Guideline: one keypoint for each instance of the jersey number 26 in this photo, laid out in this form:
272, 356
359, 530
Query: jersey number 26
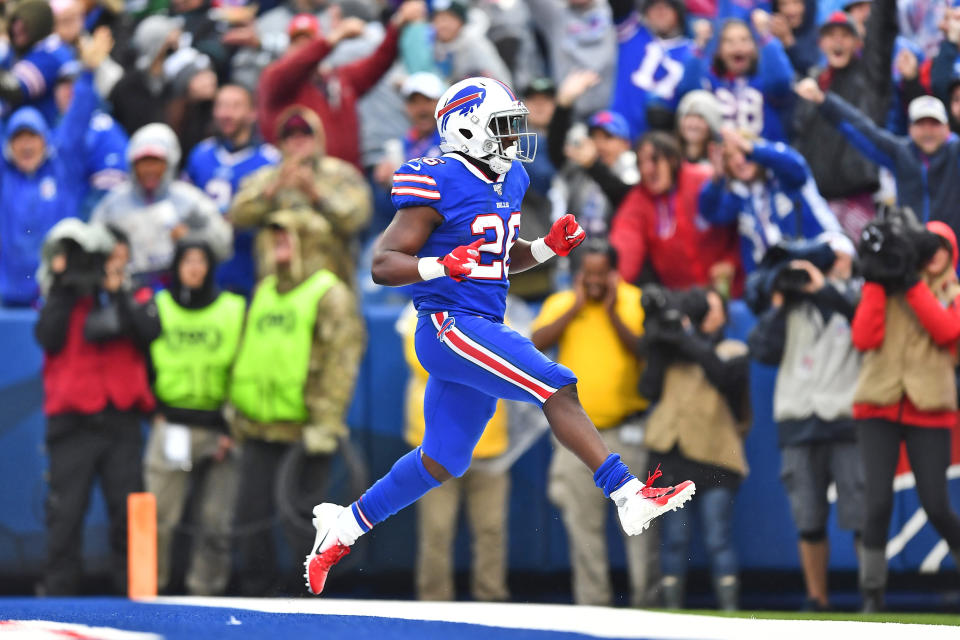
500, 247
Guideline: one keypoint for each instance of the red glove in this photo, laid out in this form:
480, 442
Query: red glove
462, 260
565, 235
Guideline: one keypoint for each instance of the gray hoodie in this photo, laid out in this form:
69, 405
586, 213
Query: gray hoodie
148, 219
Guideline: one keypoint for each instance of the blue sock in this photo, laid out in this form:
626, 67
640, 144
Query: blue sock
403, 485
612, 474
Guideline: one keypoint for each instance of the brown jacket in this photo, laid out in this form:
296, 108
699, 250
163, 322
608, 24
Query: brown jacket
908, 362
693, 415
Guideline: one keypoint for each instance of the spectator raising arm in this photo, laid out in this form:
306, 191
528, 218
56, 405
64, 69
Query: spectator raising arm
875, 142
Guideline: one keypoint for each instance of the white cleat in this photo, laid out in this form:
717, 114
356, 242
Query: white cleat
327, 549
639, 504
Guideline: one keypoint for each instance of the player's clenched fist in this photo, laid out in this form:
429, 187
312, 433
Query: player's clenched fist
462, 260
565, 235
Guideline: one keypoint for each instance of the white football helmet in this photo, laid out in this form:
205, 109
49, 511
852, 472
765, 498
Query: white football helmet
481, 118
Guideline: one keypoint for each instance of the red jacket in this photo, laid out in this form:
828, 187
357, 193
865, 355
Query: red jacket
293, 79
84, 377
943, 325
668, 230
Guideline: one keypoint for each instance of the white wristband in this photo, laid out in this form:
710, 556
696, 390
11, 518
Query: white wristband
430, 268
541, 252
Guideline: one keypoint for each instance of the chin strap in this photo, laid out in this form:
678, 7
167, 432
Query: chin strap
498, 165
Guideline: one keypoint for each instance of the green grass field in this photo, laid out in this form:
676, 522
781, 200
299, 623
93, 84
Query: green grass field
903, 618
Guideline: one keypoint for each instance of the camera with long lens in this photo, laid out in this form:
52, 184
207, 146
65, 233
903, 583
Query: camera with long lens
791, 282
775, 274
662, 310
894, 247
85, 269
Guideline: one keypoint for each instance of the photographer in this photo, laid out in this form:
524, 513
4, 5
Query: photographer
806, 332
907, 325
94, 335
688, 358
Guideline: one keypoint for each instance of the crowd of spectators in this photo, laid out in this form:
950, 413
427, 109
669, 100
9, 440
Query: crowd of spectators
176, 168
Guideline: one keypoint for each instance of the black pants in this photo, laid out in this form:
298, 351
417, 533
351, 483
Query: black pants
929, 453
107, 446
256, 512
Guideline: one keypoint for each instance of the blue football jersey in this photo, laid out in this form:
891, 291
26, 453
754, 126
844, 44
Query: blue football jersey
218, 171
757, 103
106, 147
38, 71
648, 72
472, 207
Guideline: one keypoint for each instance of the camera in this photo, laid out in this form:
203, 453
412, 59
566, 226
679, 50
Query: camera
894, 247
791, 281
661, 310
85, 269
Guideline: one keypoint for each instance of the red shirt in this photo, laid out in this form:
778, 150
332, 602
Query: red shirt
293, 79
667, 229
85, 377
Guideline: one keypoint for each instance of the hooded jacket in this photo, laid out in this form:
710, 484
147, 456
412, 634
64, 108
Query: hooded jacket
910, 346
196, 299
34, 203
149, 218
37, 65
338, 345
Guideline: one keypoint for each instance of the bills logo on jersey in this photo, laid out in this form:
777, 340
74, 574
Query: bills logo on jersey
498, 187
463, 102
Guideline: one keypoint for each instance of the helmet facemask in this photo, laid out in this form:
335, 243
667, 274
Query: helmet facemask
509, 138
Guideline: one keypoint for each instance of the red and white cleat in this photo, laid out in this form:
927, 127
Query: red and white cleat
638, 504
327, 548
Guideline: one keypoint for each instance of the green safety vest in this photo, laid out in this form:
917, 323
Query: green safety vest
193, 355
270, 374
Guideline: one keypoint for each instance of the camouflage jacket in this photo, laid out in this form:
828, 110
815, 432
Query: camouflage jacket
343, 210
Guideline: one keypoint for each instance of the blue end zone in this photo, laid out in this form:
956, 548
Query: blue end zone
181, 622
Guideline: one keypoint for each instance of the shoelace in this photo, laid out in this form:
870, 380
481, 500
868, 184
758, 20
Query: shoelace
654, 492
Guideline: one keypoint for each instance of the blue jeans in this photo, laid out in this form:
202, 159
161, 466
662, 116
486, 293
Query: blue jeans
715, 507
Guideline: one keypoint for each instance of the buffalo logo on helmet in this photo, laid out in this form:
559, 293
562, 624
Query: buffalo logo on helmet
463, 103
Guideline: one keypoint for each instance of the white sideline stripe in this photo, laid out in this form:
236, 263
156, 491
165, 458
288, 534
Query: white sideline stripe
910, 528
931, 564
601, 622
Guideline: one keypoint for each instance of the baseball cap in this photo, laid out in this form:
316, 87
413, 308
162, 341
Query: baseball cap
839, 19
150, 151
423, 83
303, 23
611, 122
541, 86
927, 107
458, 8
852, 3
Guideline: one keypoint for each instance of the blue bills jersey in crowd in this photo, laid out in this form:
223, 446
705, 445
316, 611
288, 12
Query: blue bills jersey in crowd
37, 73
756, 103
105, 147
219, 171
472, 207
649, 72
